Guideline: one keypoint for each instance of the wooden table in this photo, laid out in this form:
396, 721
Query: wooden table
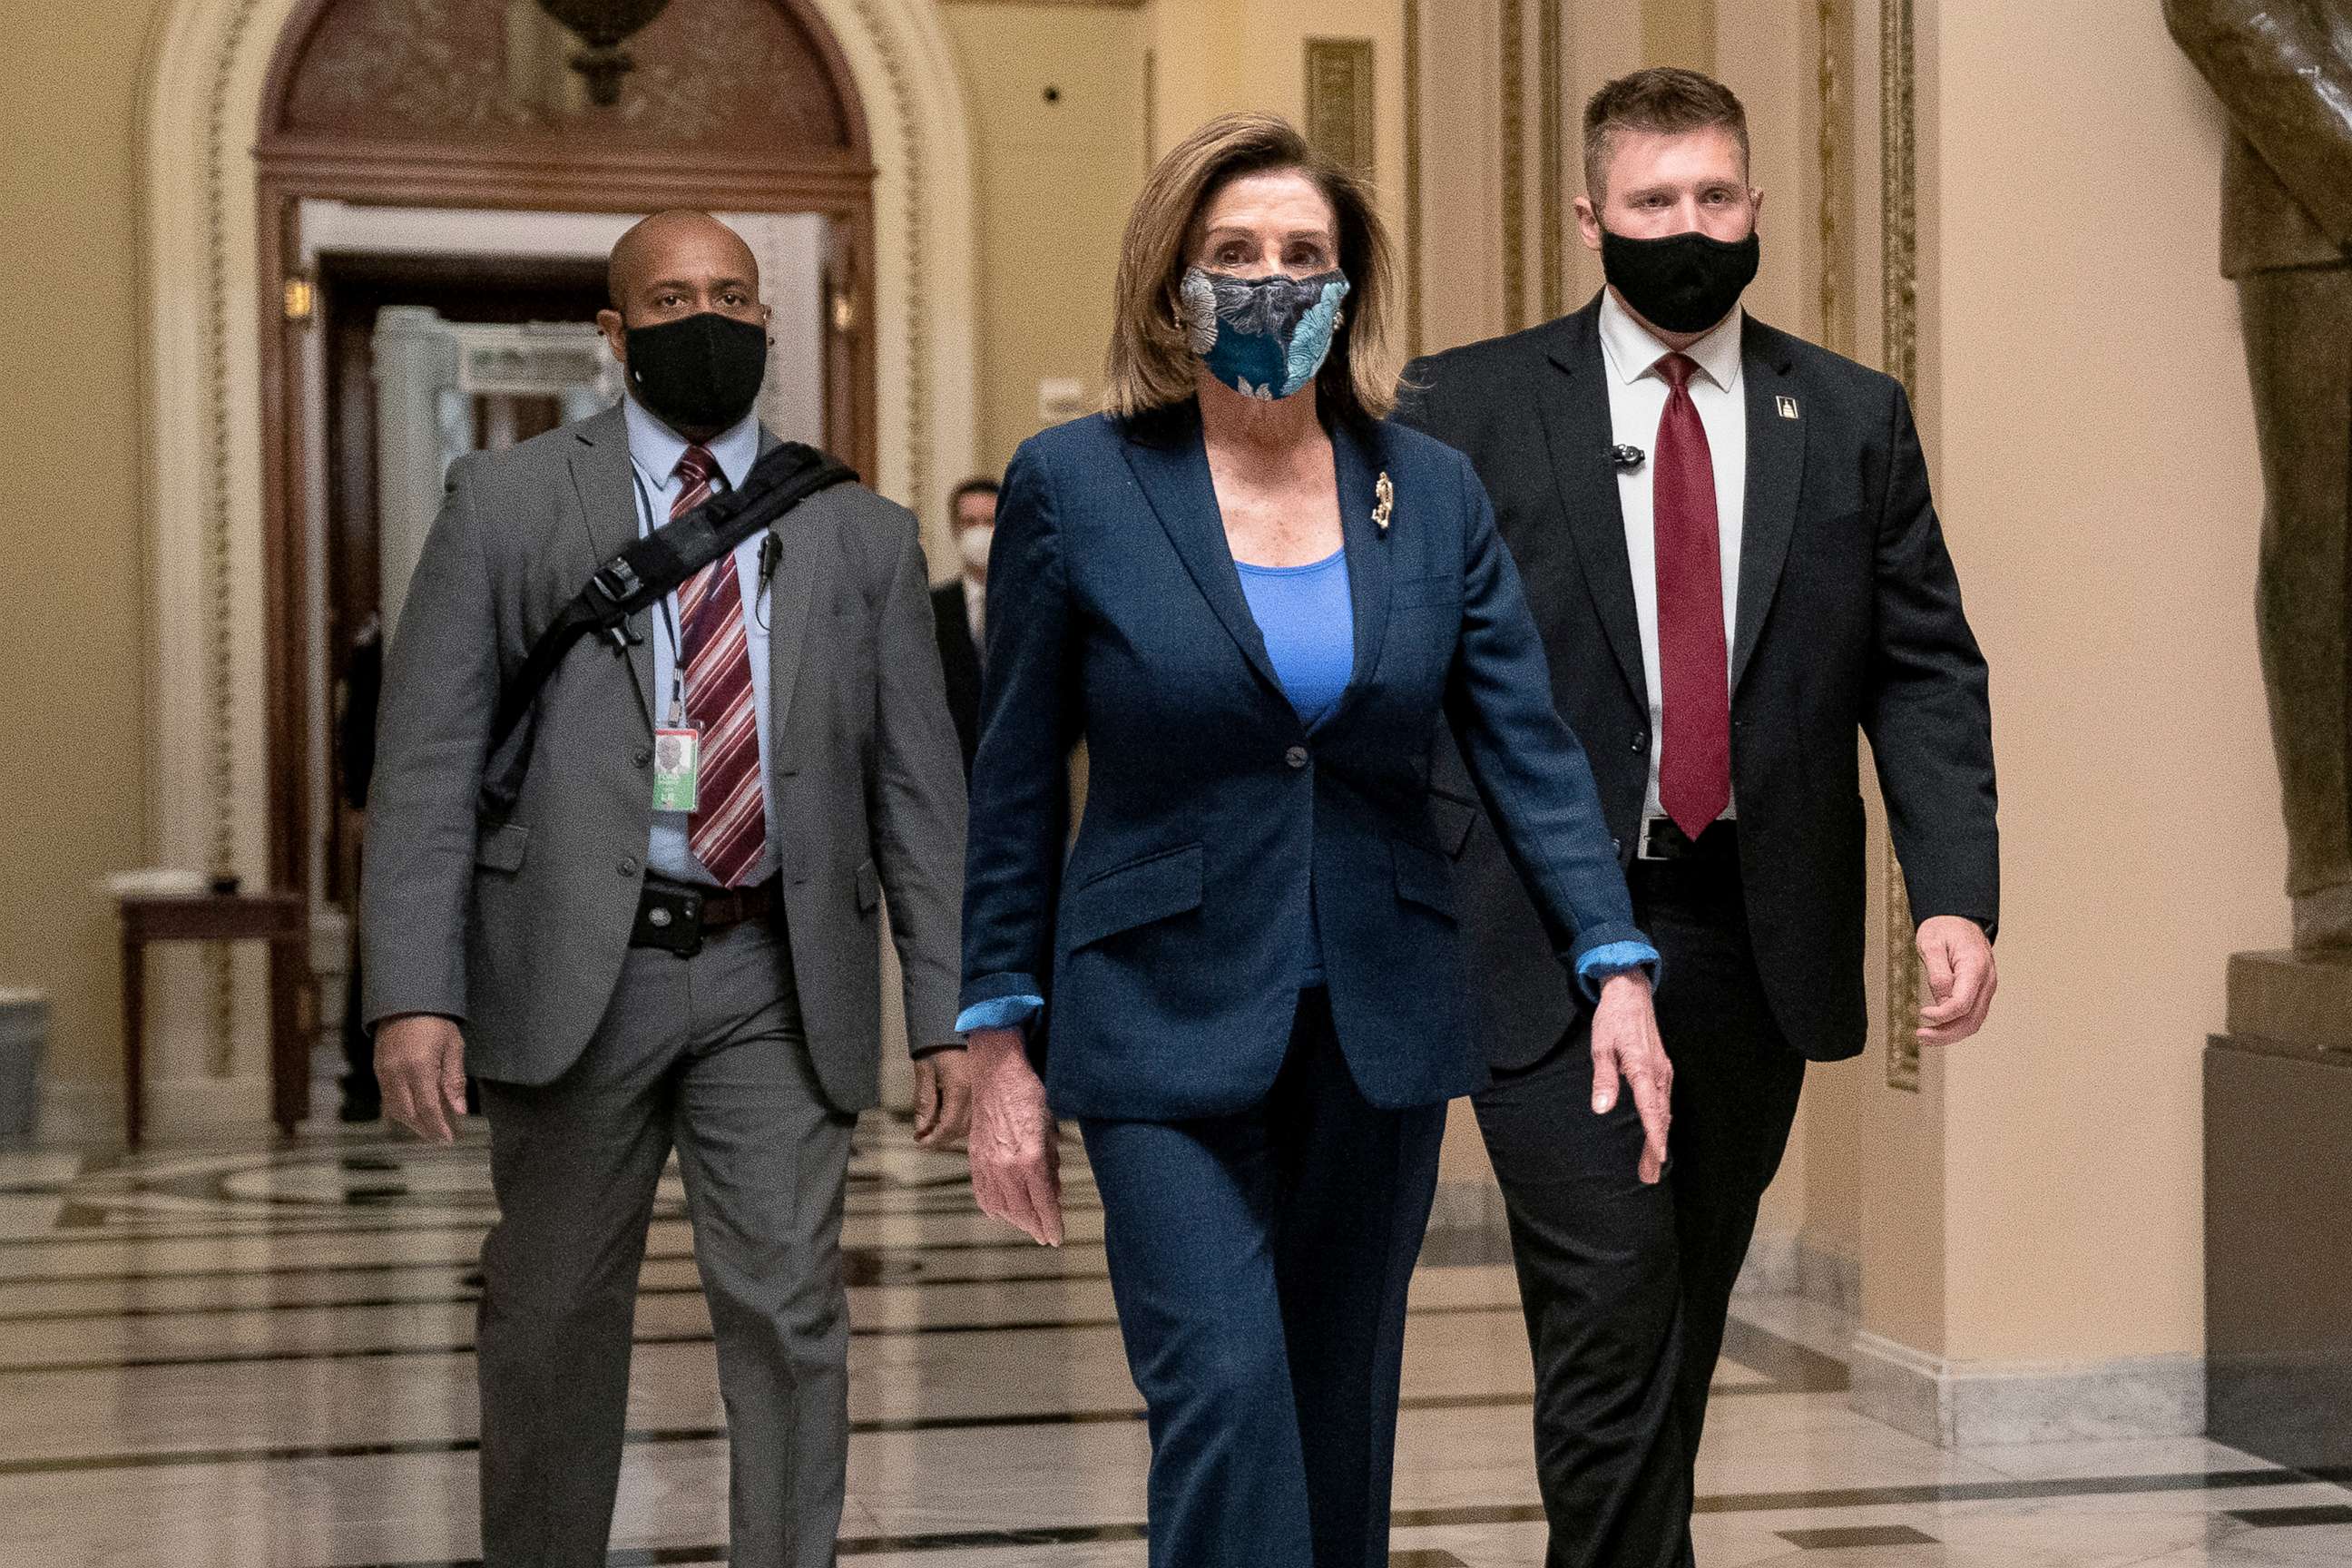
281, 919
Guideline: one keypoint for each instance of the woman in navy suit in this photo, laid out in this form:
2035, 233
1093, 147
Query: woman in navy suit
1257, 602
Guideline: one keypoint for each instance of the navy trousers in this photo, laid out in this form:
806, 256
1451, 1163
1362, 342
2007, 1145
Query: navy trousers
1260, 1264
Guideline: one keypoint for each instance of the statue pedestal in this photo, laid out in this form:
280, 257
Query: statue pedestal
2278, 1212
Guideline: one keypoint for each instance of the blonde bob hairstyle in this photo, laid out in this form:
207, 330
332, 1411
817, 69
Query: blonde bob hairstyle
1151, 364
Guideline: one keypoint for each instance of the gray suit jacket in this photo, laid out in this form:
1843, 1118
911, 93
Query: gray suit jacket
519, 932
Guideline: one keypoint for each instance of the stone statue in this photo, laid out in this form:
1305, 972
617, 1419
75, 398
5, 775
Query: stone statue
2282, 70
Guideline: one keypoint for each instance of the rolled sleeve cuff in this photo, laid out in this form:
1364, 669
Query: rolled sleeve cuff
1613, 952
998, 1013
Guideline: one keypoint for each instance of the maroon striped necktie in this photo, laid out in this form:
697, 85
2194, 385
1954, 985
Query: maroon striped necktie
729, 829
1694, 667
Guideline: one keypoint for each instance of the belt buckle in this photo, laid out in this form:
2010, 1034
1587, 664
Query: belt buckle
1645, 847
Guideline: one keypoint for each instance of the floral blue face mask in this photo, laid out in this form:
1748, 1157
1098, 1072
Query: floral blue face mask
1264, 337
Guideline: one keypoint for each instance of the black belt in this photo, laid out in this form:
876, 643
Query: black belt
678, 917
1663, 843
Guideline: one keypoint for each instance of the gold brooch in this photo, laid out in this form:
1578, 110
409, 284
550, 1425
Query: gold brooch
1383, 504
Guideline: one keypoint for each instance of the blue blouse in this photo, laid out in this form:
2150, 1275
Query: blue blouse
1309, 625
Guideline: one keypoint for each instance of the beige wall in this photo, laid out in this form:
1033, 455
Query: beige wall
1055, 181
2099, 476
71, 628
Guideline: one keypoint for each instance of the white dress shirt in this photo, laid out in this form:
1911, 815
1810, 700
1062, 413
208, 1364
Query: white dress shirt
1637, 401
654, 451
975, 609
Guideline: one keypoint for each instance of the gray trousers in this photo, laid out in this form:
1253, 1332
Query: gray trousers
706, 1054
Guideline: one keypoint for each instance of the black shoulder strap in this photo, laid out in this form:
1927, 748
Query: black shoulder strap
647, 571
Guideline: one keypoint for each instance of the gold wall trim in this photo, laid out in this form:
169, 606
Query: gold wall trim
1412, 309
1551, 159
911, 261
1341, 97
1513, 95
219, 545
1834, 29
1900, 280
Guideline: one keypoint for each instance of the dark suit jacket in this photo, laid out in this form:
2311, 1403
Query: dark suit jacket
959, 662
1170, 949
518, 930
1849, 619
2283, 68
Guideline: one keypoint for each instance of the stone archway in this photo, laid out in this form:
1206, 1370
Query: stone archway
224, 576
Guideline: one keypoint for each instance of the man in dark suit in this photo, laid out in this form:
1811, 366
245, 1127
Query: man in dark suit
1728, 540
960, 608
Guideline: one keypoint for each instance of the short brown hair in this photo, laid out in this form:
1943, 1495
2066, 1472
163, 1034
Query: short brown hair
1665, 100
1150, 363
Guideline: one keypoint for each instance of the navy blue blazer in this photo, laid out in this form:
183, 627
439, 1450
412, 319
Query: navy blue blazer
1167, 946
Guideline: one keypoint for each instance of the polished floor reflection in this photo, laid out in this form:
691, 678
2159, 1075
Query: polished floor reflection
246, 1356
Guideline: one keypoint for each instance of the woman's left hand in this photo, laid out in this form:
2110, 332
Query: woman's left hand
1625, 1046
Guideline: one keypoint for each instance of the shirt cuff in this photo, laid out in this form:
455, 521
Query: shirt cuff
1001, 1013
1611, 959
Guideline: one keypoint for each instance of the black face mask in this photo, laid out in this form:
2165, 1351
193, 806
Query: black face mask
1683, 283
699, 372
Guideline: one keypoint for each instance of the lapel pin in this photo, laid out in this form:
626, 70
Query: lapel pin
1383, 504
1787, 407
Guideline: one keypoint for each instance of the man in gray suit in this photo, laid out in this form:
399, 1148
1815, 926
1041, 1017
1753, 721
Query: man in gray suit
671, 941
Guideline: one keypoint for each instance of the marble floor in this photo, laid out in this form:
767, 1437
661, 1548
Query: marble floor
235, 1357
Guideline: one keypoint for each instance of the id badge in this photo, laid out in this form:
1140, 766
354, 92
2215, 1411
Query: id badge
678, 761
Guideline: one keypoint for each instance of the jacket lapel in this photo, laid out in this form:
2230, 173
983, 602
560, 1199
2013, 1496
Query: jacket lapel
792, 594
1776, 472
1575, 405
1358, 463
608, 511
1172, 466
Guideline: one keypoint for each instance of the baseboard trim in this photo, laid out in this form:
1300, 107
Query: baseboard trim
82, 1114
1798, 1263
1469, 1206
1969, 1405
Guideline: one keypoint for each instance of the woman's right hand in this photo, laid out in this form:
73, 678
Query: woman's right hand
1016, 1153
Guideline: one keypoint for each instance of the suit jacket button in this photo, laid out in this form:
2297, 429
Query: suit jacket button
641, 756
629, 866
1640, 742
1296, 756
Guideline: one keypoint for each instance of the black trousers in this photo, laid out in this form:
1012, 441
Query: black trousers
1626, 1287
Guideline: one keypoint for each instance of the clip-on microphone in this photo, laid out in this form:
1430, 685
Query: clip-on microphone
1627, 459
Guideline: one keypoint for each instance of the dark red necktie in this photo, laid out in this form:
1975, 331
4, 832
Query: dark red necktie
729, 829
1694, 667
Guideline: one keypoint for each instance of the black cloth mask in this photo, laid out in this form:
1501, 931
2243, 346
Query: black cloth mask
699, 372
1683, 283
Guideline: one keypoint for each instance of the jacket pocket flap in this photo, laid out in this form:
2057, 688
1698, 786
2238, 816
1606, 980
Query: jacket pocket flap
1135, 894
869, 886
500, 848
1424, 878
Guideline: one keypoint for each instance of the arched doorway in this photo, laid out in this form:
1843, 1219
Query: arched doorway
847, 109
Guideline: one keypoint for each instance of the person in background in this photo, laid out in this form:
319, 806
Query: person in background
355, 761
961, 608
1258, 601
1731, 554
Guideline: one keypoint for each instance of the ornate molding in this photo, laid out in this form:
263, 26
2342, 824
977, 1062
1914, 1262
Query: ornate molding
1899, 357
1341, 98
1551, 160
1413, 281
1833, 35
1512, 95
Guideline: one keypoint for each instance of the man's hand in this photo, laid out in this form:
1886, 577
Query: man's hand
1016, 1153
942, 1097
1960, 977
1625, 1046
420, 1061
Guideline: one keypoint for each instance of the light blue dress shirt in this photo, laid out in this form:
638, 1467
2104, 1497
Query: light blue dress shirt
654, 451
